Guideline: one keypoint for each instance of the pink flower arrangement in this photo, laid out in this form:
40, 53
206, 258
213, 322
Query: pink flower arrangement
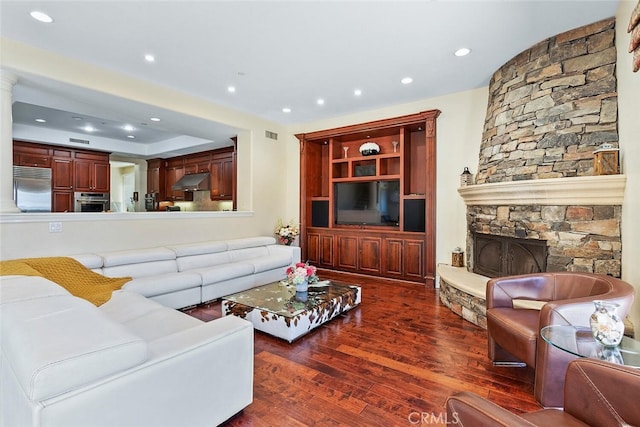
300, 272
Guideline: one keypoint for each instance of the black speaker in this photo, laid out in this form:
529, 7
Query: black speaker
319, 213
414, 215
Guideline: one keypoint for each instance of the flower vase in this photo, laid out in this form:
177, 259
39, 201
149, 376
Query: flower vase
302, 296
607, 327
302, 286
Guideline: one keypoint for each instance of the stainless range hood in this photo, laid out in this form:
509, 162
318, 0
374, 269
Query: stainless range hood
192, 182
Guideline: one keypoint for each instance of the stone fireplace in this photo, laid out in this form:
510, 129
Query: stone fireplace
578, 219
549, 109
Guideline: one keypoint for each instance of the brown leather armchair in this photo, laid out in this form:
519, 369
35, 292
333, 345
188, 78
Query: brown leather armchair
596, 393
513, 333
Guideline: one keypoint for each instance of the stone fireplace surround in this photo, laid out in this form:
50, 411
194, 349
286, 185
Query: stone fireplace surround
549, 108
579, 217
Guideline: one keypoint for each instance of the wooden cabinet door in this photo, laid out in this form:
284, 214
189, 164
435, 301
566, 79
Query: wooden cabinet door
369, 254
62, 201
156, 177
313, 248
222, 176
414, 259
326, 250
82, 169
100, 177
32, 155
392, 259
347, 252
62, 174
173, 174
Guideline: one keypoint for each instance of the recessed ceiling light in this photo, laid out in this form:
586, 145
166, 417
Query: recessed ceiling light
89, 128
128, 128
357, 92
76, 118
406, 80
149, 58
41, 16
41, 121
462, 52
231, 89
286, 110
320, 101
154, 119
131, 136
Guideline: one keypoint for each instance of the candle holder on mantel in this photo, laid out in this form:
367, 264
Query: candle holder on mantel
466, 178
605, 160
457, 258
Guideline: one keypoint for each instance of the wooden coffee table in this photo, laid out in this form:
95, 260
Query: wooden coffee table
278, 310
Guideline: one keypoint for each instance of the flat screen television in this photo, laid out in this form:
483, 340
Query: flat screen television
367, 203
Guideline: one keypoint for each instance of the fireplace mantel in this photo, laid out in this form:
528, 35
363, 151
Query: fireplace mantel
583, 190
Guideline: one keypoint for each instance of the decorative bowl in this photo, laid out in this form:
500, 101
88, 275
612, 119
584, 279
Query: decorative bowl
369, 149
369, 152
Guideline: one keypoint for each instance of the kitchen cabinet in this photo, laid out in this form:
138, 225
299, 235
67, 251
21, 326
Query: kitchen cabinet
162, 174
71, 170
36, 156
173, 172
197, 164
156, 178
92, 172
222, 176
62, 181
62, 201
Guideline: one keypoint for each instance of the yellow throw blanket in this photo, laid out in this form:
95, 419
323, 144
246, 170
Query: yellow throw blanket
68, 273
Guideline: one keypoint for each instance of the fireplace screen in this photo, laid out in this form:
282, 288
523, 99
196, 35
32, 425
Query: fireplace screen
496, 256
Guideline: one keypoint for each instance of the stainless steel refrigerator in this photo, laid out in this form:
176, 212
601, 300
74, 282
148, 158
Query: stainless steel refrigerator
32, 188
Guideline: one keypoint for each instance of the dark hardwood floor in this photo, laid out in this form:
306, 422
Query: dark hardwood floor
388, 362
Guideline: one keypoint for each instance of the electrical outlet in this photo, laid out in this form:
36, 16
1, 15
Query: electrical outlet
55, 227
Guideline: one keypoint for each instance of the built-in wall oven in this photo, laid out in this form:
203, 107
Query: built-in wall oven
91, 202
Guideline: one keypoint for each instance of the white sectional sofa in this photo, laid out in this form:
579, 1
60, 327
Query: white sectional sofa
129, 362
183, 275
134, 360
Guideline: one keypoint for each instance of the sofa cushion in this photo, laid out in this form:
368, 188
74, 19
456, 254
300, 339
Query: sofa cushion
151, 268
250, 242
224, 272
271, 262
248, 253
60, 343
199, 248
20, 288
146, 318
150, 286
202, 261
136, 256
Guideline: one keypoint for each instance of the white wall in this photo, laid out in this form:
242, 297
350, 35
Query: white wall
629, 132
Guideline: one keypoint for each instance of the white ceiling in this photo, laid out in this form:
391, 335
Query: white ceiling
276, 54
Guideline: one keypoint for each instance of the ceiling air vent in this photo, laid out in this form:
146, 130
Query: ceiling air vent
79, 141
270, 135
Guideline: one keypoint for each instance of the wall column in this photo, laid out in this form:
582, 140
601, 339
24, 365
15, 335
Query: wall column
7, 81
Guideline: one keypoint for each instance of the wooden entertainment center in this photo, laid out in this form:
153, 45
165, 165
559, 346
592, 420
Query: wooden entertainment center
371, 214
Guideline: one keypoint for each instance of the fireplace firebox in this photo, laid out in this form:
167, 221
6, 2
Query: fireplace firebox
497, 256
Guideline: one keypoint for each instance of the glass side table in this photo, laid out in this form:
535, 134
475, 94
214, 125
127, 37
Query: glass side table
579, 341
